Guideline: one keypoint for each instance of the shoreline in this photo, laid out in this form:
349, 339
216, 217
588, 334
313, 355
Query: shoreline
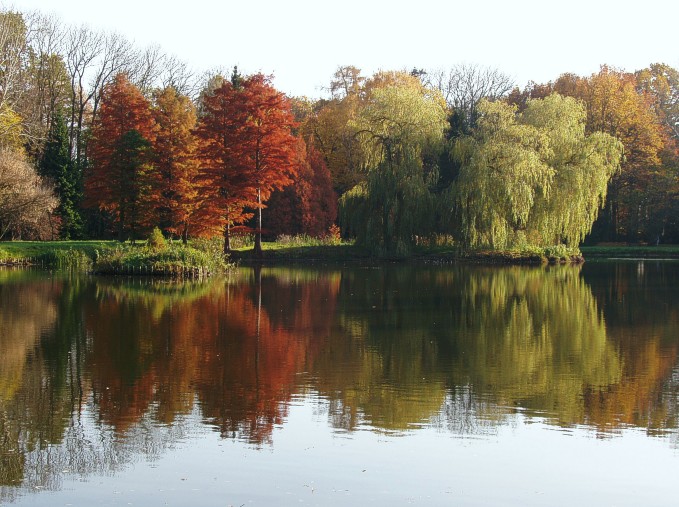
50, 254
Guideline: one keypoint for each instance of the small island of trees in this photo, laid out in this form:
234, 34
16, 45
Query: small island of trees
101, 140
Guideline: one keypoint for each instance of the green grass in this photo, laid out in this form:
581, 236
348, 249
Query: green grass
175, 260
303, 249
53, 253
274, 251
112, 257
205, 255
650, 251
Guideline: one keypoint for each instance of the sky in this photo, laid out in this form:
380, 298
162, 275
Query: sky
302, 42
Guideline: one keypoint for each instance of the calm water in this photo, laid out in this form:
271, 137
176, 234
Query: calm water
334, 386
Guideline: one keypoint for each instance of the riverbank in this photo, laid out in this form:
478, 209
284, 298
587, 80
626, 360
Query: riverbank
112, 257
635, 251
347, 252
203, 257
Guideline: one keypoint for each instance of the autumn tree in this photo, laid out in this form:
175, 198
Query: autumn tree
26, 200
176, 194
120, 180
329, 126
265, 141
222, 179
395, 204
310, 205
248, 148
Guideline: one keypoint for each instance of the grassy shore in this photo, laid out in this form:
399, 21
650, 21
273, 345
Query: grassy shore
111, 257
323, 252
635, 251
53, 254
204, 257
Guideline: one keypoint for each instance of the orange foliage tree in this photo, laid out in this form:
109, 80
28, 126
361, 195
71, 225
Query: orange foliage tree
120, 179
177, 197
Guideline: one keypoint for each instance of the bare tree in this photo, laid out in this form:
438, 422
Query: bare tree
83, 47
25, 199
118, 55
93, 59
47, 82
147, 68
465, 85
178, 75
13, 54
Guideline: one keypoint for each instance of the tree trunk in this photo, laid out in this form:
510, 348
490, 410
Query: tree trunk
227, 238
258, 236
185, 234
121, 228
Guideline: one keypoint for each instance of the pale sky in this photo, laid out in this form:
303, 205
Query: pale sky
302, 42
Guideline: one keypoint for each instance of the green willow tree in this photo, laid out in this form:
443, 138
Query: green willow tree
398, 124
532, 179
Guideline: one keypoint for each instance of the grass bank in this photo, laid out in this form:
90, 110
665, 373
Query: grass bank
53, 254
111, 257
287, 251
635, 251
175, 261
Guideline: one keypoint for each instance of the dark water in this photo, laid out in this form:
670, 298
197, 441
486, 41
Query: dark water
334, 386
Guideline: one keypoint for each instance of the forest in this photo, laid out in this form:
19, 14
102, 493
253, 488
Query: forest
102, 139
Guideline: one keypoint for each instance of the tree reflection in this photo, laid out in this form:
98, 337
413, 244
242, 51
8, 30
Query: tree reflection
103, 371
255, 345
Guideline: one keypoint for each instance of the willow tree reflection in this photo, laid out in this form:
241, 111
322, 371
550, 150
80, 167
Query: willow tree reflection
532, 338
522, 337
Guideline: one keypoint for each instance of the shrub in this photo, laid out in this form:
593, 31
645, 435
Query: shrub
156, 241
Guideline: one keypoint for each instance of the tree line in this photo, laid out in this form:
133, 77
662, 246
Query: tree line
123, 140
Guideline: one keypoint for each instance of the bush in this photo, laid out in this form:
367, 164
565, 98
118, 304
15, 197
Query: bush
560, 253
156, 241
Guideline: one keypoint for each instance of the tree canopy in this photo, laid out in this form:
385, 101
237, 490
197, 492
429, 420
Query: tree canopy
534, 178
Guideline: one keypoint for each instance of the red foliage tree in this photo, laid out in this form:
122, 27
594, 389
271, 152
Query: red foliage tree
120, 180
223, 181
247, 149
310, 205
266, 143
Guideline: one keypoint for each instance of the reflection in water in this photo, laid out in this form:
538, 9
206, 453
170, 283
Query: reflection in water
101, 371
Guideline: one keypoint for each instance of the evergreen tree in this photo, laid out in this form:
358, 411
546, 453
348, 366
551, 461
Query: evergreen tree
57, 165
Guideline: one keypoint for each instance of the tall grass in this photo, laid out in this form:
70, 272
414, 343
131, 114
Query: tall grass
66, 259
174, 260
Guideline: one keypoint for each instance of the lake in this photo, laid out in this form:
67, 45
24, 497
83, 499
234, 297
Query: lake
335, 385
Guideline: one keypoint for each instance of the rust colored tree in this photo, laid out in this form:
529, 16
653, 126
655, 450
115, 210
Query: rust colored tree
310, 205
177, 197
222, 180
120, 180
247, 149
265, 145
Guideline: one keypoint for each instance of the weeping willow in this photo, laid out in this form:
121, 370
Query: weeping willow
532, 179
394, 205
388, 211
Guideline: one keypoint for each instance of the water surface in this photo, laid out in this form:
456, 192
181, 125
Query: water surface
332, 385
